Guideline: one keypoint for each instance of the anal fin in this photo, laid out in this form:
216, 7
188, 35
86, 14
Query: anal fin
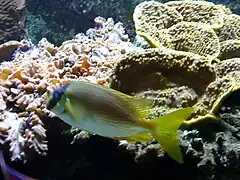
139, 137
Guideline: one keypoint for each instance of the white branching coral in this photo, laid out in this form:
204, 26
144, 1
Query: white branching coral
36, 70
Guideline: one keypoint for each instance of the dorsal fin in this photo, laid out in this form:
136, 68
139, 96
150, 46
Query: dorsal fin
142, 105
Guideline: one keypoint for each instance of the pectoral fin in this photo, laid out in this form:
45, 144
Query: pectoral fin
75, 110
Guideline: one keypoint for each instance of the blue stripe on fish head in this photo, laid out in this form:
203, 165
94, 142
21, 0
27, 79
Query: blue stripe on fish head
56, 96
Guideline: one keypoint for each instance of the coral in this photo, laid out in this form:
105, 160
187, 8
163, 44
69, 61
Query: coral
182, 71
185, 71
219, 155
7, 49
44, 17
26, 134
142, 152
36, 70
224, 7
214, 147
134, 70
12, 20
200, 11
230, 29
208, 105
194, 37
167, 28
148, 74
174, 97
150, 17
227, 66
229, 49
217, 150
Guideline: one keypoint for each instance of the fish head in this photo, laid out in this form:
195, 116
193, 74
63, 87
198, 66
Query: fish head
57, 100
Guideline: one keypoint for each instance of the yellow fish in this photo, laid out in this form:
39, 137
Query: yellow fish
109, 113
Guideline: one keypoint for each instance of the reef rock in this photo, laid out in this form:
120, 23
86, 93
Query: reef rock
12, 20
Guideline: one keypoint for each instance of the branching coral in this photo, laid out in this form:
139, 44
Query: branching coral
38, 70
25, 132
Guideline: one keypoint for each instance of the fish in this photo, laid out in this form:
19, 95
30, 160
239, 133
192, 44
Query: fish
109, 113
9, 173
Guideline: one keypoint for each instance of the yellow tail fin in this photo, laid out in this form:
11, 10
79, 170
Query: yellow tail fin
165, 132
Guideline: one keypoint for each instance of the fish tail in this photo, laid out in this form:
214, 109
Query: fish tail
164, 131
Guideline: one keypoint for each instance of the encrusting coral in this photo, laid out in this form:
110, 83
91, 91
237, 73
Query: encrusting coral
12, 20
187, 63
200, 12
169, 28
229, 49
150, 17
230, 29
218, 45
194, 37
227, 66
195, 70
